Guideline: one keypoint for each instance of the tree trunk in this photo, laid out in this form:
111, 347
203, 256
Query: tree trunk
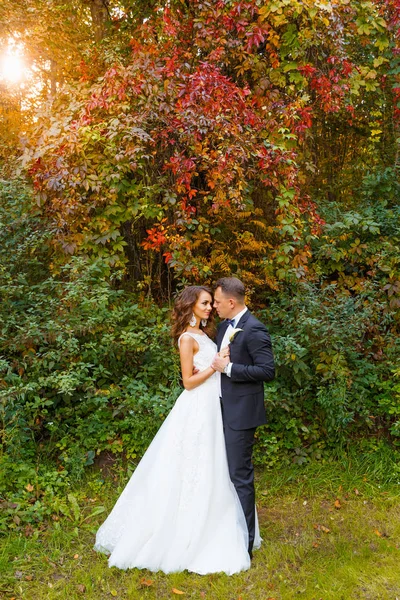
100, 16
53, 77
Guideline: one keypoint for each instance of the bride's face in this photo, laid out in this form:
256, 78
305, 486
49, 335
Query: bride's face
203, 306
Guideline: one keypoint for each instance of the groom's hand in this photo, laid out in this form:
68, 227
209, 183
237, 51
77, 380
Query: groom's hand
220, 362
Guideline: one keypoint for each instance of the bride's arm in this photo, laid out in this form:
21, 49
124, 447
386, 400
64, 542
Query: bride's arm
187, 349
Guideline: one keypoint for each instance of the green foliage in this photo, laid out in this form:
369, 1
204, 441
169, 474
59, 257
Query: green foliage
336, 339
197, 139
84, 367
84, 364
87, 367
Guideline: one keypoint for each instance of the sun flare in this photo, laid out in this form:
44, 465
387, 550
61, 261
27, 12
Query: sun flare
11, 68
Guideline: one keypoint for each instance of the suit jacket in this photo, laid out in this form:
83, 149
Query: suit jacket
252, 364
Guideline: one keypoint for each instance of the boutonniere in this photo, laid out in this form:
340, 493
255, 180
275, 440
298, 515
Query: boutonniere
234, 334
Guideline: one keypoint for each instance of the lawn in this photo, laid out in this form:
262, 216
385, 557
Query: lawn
330, 530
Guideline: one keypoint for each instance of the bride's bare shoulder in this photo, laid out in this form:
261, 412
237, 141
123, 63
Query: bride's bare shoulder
187, 342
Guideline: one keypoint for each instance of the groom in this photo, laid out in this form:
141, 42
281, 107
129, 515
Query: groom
251, 362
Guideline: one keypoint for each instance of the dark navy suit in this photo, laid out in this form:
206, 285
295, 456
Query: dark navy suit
242, 402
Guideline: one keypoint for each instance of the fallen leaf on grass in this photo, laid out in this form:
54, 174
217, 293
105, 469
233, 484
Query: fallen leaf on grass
76, 556
146, 582
175, 591
114, 593
382, 535
337, 503
28, 577
81, 588
357, 493
29, 487
315, 545
322, 528
28, 531
4, 504
325, 529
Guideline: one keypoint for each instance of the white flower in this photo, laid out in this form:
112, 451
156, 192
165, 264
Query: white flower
234, 334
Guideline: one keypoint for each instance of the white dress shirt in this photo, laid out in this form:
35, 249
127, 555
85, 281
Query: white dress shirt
225, 340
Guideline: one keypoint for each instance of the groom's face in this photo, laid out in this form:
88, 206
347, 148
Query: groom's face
224, 305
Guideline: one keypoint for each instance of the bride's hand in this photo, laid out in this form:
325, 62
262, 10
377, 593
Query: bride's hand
224, 352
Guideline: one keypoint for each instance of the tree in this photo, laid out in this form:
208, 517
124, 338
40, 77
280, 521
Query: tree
197, 145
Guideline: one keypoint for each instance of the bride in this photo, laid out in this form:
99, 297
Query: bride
180, 509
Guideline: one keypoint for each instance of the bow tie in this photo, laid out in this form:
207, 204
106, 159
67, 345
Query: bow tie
230, 322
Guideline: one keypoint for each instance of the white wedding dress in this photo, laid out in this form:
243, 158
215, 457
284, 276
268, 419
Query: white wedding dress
180, 509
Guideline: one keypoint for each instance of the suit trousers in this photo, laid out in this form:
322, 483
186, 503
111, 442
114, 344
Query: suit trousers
239, 448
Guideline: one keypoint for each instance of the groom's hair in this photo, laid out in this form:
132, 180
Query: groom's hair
232, 287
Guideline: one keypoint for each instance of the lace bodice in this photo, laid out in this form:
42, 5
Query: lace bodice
207, 350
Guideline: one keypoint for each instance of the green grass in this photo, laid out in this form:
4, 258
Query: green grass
312, 549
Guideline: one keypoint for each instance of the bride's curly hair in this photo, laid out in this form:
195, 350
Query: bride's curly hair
183, 311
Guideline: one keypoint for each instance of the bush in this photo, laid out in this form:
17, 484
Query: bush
84, 366
337, 348
87, 367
